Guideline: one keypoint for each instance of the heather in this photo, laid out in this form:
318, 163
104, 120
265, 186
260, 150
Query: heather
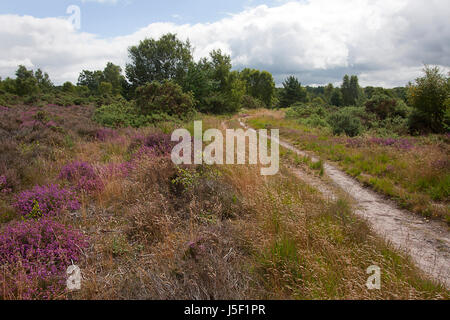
46, 201
31, 136
4, 185
105, 134
34, 256
159, 143
82, 175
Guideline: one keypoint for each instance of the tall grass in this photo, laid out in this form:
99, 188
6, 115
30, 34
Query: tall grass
413, 171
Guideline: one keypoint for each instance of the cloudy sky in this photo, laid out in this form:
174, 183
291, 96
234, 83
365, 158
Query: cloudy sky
384, 42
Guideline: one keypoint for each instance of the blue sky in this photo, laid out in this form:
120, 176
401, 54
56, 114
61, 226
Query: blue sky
384, 42
102, 18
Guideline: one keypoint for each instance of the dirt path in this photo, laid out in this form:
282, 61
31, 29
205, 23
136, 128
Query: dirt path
428, 243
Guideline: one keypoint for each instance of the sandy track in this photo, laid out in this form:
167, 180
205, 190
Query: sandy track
428, 243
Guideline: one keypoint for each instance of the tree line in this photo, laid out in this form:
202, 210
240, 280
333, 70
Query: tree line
163, 77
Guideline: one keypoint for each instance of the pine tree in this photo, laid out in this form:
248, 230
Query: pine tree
293, 92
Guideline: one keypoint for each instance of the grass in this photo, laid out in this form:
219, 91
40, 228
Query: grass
418, 178
308, 248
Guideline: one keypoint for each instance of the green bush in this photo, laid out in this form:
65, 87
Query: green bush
344, 122
122, 114
315, 121
166, 97
385, 106
250, 102
119, 114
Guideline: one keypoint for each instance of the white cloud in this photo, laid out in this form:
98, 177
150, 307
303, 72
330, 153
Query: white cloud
385, 42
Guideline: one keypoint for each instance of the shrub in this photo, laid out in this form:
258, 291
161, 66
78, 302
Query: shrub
116, 115
250, 102
82, 175
385, 106
381, 105
309, 115
301, 110
344, 122
36, 255
166, 97
52, 201
315, 121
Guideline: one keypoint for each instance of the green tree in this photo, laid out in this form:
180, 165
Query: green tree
354, 90
328, 91
227, 87
25, 83
199, 80
428, 96
350, 90
43, 81
336, 98
259, 85
293, 92
68, 87
113, 75
91, 79
346, 91
221, 66
105, 88
156, 60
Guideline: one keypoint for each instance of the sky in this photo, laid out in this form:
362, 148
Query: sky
384, 42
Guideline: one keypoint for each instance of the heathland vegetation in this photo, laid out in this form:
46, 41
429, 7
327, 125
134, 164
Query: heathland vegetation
86, 179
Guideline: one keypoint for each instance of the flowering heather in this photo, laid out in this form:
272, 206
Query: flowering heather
46, 201
4, 188
160, 144
116, 170
4, 109
36, 255
355, 142
51, 124
28, 119
82, 175
404, 144
105, 134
